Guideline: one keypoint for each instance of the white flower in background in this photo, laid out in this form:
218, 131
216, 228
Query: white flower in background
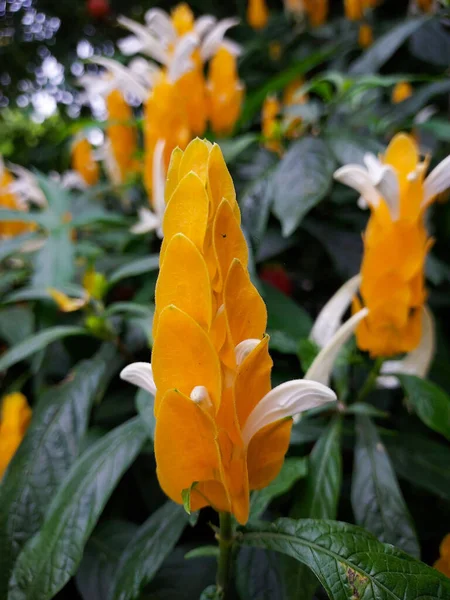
152, 220
26, 187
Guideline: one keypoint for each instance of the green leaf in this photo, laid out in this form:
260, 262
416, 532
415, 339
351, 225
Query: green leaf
384, 47
143, 556
377, 500
431, 43
258, 575
16, 323
50, 447
144, 404
307, 352
54, 262
57, 196
287, 322
301, 180
421, 97
361, 408
23, 216
429, 401
203, 551
135, 267
36, 342
14, 244
97, 216
52, 556
101, 558
131, 308
255, 205
292, 470
307, 430
349, 147
323, 482
233, 147
349, 562
421, 461
211, 593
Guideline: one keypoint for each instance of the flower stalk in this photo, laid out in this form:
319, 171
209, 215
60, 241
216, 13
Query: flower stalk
225, 554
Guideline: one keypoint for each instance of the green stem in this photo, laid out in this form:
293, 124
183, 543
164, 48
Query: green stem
370, 382
225, 547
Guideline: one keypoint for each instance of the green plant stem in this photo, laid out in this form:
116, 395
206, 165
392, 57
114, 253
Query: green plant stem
371, 380
225, 547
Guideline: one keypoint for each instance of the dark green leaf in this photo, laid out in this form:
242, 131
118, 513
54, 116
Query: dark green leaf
36, 342
421, 461
135, 267
432, 43
292, 470
201, 551
349, 562
287, 321
101, 557
323, 482
361, 408
301, 180
48, 451
131, 308
411, 106
16, 323
144, 404
14, 244
233, 147
429, 401
385, 46
349, 147
307, 352
377, 500
97, 216
52, 556
255, 207
258, 575
54, 262
143, 556
211, 593
307, 430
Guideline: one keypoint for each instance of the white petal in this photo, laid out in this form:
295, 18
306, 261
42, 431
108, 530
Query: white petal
148, 221
244, 348
144, 70
181, 62
425, 114
374, 166
110, 164
437, 181
362, 204
204, 24
359, 179
233, 47
27, 186
418, 361
159, 179
286, 400
159, 22
124, 79
214, 38
323, 364
150, 45
389, 189
71, 180
330, 317
96, 85
130, 45
140, 374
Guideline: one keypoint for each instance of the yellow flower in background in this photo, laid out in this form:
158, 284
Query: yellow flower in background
443, 562
182, 18
402, 91
192, 90
257, 14
65, 303
354, 10
426, 5
317, 11
225, 92
83, 161
15, 416
365, 35
271, 124
220, 429
122, 138
396, 244
9, 200
94, 286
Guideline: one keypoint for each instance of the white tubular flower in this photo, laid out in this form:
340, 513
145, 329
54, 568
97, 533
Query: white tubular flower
437, 181
149, 220
375, 182
330, 317
26, 186
181, 61
144, 40
69, 180
417, 362
140, 374
119, 77
216, 38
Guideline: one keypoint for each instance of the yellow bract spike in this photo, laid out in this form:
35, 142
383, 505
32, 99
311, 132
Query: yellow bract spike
15, 416
257, 14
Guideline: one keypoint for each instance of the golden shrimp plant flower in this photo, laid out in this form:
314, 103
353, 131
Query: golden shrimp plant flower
257, 14
443, 562
83, 161
15, 416
391, 280
220, 428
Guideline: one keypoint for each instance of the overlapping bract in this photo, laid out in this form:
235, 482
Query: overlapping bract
396, 244
220, 429
15, 417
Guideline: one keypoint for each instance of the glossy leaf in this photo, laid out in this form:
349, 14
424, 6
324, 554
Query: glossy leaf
377, 500
258, 575
52, 556
54, 262
144, 404
49, 449
134, 268
301, 180
429, 402
36, 342
348, 561
143, 556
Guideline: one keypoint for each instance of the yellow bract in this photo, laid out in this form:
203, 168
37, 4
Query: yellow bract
317, 11
365, 35
392, 269
10, 201
210, 357
257, 14
122, 137
14, 420
83, 161
402, 91
443, 562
